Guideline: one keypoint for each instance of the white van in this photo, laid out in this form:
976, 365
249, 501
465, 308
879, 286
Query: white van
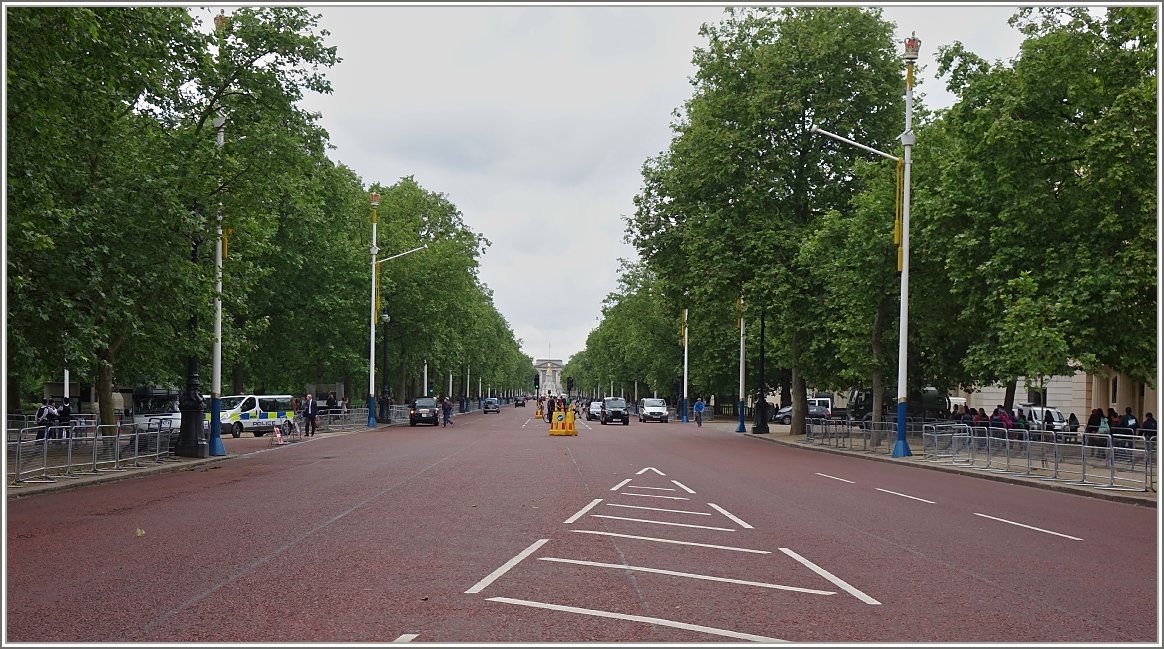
259, 414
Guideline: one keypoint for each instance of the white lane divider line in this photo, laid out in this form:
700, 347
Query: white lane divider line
582, 511
831, 577
643, 520
638, 618
627, 493
836, 478
690, 575
651, 538
658, 509
729, 515
658, 488
480, 586
407, 637
905, 496
684, 487
616, 487
1037, 529
650, 468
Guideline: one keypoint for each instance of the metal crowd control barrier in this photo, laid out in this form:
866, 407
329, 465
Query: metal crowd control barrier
1109, 461
398, 414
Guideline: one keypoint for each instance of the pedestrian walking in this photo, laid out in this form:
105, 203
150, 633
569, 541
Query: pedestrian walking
1073, 423
310, 410
447, 410
699, 407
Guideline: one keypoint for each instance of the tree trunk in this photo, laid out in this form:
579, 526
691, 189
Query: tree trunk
14, 393
785, 387
236, 378
1008, 401
799, 402
105, 386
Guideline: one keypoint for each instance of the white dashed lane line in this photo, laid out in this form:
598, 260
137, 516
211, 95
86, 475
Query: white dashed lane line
637, 618
831, 577
905, 496
658, 509
729, 515
491, 577
690, 575
672, 541
643, 520
836, 478
407, 637
582, 511
1029, 527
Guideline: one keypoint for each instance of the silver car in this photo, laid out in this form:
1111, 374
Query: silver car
653, 410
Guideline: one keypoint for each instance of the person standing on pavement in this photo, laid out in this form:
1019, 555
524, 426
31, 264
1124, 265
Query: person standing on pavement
1148, 428
699, 407
331, 403
65, 414
310, 410
447, 411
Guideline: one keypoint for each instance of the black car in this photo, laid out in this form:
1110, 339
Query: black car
784, 415
491, 405
519, 402
614, 409
424, 410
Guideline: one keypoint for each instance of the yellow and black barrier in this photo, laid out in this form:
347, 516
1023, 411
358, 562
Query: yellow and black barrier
562, 423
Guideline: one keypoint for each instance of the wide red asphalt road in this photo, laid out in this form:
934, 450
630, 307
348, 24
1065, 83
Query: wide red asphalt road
493, 531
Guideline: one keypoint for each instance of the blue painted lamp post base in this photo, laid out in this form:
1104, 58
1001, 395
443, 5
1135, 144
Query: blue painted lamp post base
683, 406
741, 428
371, 411
216, 446
901, 448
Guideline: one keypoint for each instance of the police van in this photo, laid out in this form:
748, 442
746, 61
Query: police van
258, 414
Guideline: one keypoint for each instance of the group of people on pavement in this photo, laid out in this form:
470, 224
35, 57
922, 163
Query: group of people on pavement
48, 415
1097, 422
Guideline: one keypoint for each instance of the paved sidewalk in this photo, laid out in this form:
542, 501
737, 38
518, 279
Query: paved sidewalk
780, 435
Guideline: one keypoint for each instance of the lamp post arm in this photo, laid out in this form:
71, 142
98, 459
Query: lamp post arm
402, 254
856, 144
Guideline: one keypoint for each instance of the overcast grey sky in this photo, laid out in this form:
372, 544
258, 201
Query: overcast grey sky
535, 122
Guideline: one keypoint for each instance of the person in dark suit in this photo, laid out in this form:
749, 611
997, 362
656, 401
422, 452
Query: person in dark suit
310, 410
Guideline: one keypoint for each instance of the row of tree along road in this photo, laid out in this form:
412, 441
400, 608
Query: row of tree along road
115, 183
1033, 211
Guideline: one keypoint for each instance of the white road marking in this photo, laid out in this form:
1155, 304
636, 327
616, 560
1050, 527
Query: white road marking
643, 520
684, 487
1038, 529
582, 511
637, 618
657, 509
480, 586
659, 488
691, 575
615, 487
831, 577
650, 468
650, 538
905, 496
627, 493
407, 637
729, 515
836, 478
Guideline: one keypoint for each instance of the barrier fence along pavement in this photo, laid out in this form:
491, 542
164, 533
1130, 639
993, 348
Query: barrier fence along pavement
1120, 461
40, 454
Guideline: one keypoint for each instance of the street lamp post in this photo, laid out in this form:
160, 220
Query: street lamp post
216, 446
683, 403
741, 428
372, 326
908, 140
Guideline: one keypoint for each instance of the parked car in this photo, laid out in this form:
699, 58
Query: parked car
614, 409
784, 415
1036, 413
653, 410
595, 411
424, 410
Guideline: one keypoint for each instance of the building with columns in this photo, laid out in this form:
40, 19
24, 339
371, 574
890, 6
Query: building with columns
550, 371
